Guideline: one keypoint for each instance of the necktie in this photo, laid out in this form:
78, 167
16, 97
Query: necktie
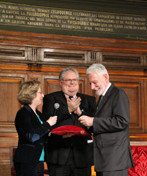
99, 101
72, 115
70, 97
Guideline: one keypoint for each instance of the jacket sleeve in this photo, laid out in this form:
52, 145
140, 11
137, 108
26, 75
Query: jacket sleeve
114, 116
48, 107
89, 106
25, 127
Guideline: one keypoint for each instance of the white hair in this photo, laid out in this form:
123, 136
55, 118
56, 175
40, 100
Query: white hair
99, 69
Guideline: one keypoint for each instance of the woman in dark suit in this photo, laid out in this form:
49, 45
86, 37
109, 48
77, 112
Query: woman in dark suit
32, 131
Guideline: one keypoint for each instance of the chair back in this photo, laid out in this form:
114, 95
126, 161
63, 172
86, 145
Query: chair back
12, 168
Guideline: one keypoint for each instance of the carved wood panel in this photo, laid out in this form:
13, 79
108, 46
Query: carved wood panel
117, 59
27, 56
9, 86
133, 88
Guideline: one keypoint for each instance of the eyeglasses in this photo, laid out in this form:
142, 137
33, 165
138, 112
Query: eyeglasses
70, 80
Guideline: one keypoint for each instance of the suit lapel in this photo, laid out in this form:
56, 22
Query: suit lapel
82, 100
104, 100
62, 98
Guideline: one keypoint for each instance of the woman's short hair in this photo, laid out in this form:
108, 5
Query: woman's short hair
61, 75
28, 91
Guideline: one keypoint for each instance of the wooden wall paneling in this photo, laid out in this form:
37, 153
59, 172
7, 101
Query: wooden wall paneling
144, 102
27, 56
13, 53
9, 86
82, 84
133, 88
51, 84
117, 59
50, 56
72, 42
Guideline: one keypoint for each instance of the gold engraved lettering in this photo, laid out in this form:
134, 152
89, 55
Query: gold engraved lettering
57, 18
78, 22
61, 12
18, 22
139, 19
21, 17
13, 7
49, 24
135, 23
104, 20
103, 29
32, 18
51, 20
35, 23
4, 16
88, 28
12, 12
106, 16
28, 9
82, 14
128, 27
37, 14
43, 10
40, 19
7, 20
118, 26
144, 28
3, 6
70, 26
126, 18
94, 24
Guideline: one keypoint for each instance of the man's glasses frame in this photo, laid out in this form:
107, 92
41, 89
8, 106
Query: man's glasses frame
70, 80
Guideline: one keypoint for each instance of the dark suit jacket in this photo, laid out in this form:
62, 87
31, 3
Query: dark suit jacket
31, 135
111, 132
58, 149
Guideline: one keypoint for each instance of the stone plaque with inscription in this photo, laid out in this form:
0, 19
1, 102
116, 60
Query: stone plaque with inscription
31, 18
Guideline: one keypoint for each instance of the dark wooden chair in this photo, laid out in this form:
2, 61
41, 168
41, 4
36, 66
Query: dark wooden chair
12, 168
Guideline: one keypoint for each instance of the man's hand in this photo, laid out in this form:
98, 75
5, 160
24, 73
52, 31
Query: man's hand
78, 111
73, 104
86, 120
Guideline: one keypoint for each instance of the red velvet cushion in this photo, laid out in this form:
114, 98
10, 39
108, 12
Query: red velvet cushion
69, 129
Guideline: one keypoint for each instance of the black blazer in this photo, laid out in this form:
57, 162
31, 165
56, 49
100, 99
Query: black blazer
31, 135
111, 130
58, 149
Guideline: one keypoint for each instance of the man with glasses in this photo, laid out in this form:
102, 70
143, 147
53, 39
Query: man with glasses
69, 154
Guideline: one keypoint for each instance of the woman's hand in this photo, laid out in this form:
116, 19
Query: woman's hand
52, 120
